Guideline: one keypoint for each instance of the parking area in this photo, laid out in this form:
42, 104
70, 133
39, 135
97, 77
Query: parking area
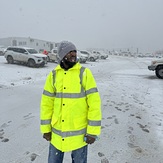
131, 107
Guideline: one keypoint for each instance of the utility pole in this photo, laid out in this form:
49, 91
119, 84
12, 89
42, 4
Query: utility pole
137, 50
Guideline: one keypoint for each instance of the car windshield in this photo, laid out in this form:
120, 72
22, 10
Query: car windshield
32, 51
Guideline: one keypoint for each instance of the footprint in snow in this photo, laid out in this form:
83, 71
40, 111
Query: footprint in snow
138, 117
33, 156
116, 121
109, 117
1, 134
118, 108
130, 130
105, 160
25, 116
5, 140
131, 145
100, 154
4, 125
28, 116
143, 127
146, 130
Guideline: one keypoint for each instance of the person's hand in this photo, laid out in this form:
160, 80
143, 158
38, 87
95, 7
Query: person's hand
90, 139
47, 136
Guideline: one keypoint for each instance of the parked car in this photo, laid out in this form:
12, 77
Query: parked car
52, 55
91, 56
114, 53
100, 54
157, 66
125, 53
82, 57
2, 49
25, 55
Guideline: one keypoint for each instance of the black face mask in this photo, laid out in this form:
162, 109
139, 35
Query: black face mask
68, 63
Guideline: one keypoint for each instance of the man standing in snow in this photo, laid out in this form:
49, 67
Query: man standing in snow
70, 108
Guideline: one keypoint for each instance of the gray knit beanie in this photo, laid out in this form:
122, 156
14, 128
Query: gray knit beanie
64, 48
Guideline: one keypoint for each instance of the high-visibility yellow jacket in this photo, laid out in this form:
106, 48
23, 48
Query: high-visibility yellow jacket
70, 107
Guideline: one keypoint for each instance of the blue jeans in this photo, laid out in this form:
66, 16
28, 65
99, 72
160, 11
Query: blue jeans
78, 155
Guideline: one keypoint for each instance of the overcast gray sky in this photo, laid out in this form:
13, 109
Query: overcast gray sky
87, 23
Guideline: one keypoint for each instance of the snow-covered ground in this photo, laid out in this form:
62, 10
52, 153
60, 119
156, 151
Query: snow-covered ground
132, 107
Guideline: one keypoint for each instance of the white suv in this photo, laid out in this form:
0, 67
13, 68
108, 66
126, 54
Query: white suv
91, 57
100, 54
52, 56
24, 55
82, 57
157, 66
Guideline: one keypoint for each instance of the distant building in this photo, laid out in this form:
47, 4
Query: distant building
37, 44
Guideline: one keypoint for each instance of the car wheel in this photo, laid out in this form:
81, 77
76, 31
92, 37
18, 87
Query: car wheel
31, 63
91, 59
159, 72
42, 64
10, 59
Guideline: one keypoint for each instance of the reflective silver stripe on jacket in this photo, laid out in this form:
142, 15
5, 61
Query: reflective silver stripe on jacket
94, 123
48, 93
92, 90
54, 72
76, 95
81, 78
69, 133
46, 122
70, 95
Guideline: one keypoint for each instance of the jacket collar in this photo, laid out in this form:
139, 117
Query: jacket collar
76, 66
